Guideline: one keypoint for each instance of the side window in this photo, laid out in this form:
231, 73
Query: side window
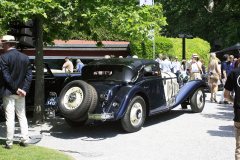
45, 70
151, 70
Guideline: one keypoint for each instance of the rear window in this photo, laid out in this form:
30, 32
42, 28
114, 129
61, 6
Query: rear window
110, 72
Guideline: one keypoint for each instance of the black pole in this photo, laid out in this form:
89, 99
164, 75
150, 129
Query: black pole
183, 47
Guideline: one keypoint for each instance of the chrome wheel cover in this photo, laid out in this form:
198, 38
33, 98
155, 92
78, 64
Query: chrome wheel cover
200, 99
73, 98
136, 114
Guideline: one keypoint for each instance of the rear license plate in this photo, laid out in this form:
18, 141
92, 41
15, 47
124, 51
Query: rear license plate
92, 116
52, 101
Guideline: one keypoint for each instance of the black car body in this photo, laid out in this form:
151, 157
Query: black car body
54, 81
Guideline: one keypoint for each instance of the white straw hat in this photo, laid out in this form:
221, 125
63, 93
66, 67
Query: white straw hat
195, 56
9, 39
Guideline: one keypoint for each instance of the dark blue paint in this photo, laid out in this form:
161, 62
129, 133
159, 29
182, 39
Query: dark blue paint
117, 92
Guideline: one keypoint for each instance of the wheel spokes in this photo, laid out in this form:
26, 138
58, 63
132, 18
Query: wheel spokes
199, 98
136, 114
73, 98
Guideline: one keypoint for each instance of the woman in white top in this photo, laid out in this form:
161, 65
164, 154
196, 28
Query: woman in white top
184, 68
195, 68
213, 69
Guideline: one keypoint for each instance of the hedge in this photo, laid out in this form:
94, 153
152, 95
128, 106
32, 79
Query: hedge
171, 47
145, 50
196, 45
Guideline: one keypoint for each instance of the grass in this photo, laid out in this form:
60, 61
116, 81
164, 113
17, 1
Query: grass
32, 152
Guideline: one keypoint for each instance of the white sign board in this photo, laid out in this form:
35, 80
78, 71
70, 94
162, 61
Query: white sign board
146, 2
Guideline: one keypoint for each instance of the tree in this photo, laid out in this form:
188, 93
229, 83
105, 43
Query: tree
57, 19
102, 33
206, 19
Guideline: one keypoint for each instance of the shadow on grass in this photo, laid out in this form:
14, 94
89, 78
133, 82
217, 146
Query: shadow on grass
31, 152
4, 142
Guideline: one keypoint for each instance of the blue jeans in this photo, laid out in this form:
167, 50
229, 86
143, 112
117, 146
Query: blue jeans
177, 74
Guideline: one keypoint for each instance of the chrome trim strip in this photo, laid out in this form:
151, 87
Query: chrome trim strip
103, 116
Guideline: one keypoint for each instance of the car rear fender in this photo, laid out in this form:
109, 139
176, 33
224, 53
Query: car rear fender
187, 90
69, 79
124, 97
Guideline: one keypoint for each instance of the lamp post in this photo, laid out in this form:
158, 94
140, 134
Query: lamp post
183, 36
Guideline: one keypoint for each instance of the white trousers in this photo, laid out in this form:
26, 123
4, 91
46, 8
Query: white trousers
12, 104
222, 96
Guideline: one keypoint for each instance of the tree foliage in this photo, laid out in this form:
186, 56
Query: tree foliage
102, 34
118, 17
60, 19
206, 19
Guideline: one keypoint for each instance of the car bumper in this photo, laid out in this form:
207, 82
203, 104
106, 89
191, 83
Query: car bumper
102, 116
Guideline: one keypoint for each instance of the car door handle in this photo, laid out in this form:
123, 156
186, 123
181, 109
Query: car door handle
145, 87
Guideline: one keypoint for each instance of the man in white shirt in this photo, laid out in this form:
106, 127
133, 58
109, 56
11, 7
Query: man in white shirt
176, 66
166, 65
67, 66
159, 59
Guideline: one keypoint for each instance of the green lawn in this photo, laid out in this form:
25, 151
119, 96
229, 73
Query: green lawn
30, 153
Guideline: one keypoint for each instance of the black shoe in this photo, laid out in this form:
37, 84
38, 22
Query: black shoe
7, 146
23, 144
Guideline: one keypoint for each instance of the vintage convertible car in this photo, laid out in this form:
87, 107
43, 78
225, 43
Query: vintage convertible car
126, 89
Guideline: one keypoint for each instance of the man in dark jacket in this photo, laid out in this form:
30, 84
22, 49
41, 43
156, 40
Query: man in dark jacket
233, 82
15, 81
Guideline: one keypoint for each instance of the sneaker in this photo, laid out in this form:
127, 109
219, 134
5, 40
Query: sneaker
221, 102
23, 144
7, 146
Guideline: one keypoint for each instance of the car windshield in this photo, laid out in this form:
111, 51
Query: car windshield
45, 69
108, 72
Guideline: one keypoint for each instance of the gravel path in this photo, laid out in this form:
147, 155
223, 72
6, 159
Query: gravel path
178, 134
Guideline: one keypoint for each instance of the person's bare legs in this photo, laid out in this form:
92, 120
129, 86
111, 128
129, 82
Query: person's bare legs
215, 93
212, 91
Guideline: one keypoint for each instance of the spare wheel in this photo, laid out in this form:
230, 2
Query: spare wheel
94, 100
93, 105
75, 99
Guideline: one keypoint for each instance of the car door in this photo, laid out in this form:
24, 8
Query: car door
153, 84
